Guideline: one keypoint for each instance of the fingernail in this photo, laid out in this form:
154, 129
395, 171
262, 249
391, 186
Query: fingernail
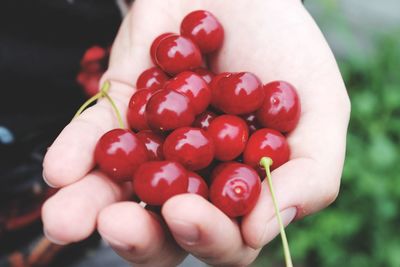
52, 239
272, 226
46, 181
184, 232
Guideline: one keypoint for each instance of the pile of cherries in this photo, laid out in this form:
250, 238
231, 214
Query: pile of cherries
195, 131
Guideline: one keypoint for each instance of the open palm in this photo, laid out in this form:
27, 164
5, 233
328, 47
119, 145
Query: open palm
276, 40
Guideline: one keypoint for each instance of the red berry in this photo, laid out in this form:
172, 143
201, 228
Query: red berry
204, 119
153, 142
197, 185
230, 134
235, 190
252, 122
238, 93
192, 147
194, 87
119, 153
204, 29
176, 53
281, 107
156, 43
136, 110
154, 182
204, 73
266, 143
168, 110
152, 78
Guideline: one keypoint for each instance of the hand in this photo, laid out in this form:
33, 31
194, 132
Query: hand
275, 39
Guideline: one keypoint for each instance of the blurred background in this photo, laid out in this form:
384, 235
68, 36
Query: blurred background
360, 229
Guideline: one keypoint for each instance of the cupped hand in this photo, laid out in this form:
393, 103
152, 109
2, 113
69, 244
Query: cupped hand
275, 39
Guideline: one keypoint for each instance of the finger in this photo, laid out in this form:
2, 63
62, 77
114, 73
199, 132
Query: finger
76, 143
206, 232
70, 215
138, 236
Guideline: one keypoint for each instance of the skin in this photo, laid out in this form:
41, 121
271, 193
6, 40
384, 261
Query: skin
275, 39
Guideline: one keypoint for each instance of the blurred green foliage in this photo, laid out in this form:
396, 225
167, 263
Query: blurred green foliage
362, 227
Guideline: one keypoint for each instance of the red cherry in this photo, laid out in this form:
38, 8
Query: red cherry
136, 110
204, 29
235, 190
176, 53
197, 185
204, 73
153, 142
281, 107
155, 182
238, 93
266, 143
194, 87
252, 122
152, 79
204, 119
119, 153
169, 110
89, 82
191, 147
230, 134
156, 43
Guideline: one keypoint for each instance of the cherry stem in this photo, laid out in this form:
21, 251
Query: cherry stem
266, 162
102, 93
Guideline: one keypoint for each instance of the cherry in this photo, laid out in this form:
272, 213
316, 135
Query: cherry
281, 107
197, 185
204, 73
194, 87
136, 110
252, 122
169, 110
155, 182
192, 147
204, 119
175, 54
156, 43
153, 142
266, 143
204, 29
238, 93
152, 78
119, 153
230, 134
235, 190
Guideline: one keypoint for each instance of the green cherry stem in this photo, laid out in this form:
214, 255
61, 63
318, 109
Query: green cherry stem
266, 162
102, 93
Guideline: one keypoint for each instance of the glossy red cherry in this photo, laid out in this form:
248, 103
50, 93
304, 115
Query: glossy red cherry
194, 87
281, 107
175, 54
235, 190
152, 78
204, 119
156, 43
266, 143
204, 29
197, 185
136, 110
192, 147
230, 134
119, 153
252, 122
204, 73
154, 182
168, 110
153, 142
238, 93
